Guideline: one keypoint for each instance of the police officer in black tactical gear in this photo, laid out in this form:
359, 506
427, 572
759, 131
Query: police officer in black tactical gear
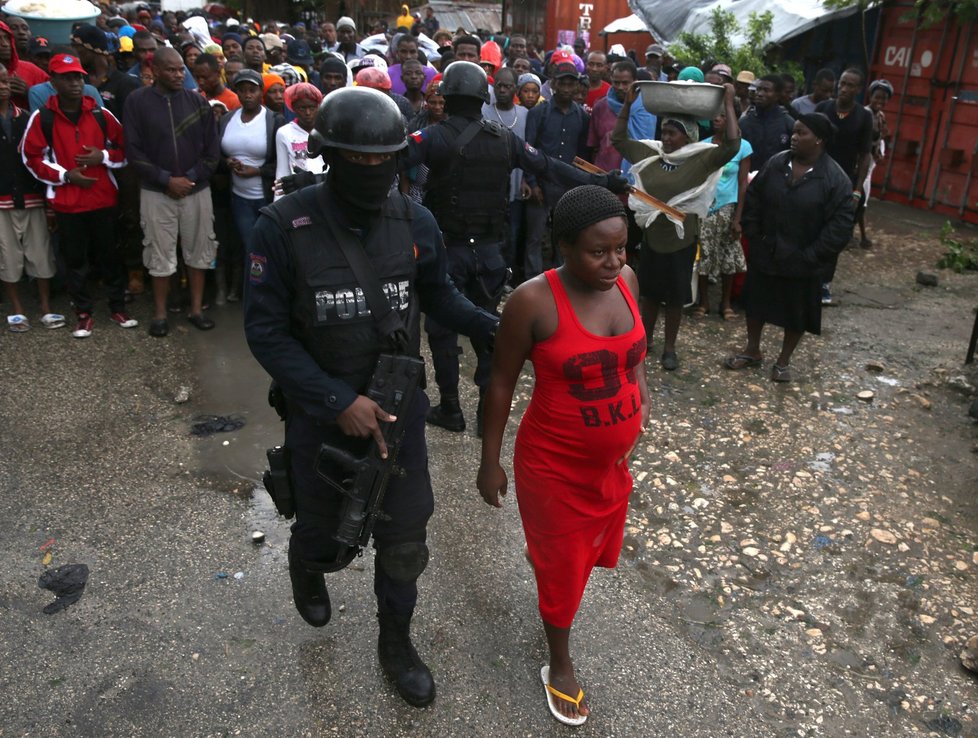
308, 324
470, 160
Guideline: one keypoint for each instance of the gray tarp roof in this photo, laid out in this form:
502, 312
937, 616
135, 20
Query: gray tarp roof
667, 18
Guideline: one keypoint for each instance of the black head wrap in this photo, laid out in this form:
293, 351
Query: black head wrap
332, 65
820, 125
582, 207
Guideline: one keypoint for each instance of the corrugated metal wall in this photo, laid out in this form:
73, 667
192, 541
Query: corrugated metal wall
933, 116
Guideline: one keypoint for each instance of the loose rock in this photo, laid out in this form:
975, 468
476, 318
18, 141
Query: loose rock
883, 536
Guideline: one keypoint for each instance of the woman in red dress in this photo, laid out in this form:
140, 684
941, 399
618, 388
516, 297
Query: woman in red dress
580, 327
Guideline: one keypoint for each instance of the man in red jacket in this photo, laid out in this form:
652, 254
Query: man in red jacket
23, 74
71, 146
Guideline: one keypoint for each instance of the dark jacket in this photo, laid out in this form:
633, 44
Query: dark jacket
18, 188
273, 121
171, 136
798, 229
767, 131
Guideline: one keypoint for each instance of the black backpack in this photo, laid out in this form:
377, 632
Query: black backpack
46, 116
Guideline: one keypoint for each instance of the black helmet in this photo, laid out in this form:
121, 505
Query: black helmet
465, 78
359, 119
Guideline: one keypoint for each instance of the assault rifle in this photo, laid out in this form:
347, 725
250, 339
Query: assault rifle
364, 479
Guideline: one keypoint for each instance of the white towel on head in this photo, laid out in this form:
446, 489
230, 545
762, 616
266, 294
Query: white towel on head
198, 29
696, 200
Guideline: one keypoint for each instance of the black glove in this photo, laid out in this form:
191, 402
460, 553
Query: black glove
615, 181
296, 181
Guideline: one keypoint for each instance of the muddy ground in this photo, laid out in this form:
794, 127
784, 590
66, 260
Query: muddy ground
797, 561
828, 546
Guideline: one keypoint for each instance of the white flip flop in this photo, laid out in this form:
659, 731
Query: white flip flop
53, 320
553, 695
18, 323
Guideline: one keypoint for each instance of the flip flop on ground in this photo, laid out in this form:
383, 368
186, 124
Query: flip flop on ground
553, 695
53, 320
742, 361
18, 323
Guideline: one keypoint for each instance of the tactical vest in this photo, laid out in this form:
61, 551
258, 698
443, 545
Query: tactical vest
470, 197
329, 313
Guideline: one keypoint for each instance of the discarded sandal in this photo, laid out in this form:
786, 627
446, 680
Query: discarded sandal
780, 373
18, 323
53, 320
741, 361
553, 695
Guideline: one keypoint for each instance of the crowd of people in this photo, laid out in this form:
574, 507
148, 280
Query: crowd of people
170, 146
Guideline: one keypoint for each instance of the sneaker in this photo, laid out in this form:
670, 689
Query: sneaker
123, 320
826, 294
84, 327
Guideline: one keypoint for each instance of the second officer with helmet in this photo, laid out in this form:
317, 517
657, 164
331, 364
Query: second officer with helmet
470, 160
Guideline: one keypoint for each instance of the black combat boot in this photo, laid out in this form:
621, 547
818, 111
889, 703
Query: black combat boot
447, 414
309, 592
401, 663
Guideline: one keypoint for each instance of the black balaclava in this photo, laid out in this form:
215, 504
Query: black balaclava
363, 187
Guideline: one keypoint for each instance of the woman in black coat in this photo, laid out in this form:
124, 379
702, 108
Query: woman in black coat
798, 216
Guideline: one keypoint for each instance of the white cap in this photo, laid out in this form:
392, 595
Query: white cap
370, 60
346, 21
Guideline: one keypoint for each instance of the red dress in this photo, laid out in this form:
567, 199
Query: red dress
584, 415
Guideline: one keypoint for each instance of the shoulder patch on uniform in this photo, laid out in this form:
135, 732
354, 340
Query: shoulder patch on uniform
256, 274
301, 221
418, 136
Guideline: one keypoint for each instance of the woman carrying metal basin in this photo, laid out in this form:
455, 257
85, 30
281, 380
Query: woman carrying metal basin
683, 172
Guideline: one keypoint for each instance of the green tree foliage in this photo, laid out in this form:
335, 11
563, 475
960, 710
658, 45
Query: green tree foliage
927, 12
695, 48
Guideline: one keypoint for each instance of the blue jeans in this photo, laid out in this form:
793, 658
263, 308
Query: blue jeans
244, 213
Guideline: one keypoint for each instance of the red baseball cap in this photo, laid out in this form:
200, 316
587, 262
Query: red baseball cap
561, 57
65, 64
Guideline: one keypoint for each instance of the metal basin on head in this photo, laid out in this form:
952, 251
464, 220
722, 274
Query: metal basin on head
696, 99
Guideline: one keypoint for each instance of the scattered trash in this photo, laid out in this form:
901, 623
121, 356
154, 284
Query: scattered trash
208, 425
927, 279
221, 575
257, 537
47, 558
866, 395
47, 544
226, 443
821, 542
842, 410
182, 395
914, 580
889, 381
239, 575
960, 383
823, 462
67, 583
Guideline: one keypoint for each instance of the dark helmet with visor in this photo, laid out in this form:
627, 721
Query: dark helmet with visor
358, 119
466, 79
